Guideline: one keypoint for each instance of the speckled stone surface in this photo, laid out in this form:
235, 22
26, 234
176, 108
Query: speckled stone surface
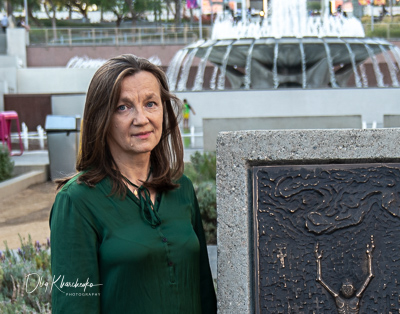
238, 152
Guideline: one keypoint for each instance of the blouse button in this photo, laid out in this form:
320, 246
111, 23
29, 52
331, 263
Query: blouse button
164, 240
170, 263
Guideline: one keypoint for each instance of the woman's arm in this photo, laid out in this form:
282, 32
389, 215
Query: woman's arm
74, 260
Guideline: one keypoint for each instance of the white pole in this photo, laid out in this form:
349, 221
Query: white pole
327, 8
41, 136
265, 8
26, 12
24, 136
244, 20
192, 139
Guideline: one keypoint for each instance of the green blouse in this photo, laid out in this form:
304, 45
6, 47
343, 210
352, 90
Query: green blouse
106, 258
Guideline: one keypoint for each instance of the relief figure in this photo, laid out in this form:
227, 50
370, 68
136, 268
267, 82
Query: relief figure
347, 302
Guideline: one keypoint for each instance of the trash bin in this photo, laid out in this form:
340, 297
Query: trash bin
63, 144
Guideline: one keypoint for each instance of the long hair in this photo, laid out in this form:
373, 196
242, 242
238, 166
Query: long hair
95, 159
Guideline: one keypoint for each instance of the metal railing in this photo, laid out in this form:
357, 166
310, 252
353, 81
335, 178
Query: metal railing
383, 30
191, 138
115, 36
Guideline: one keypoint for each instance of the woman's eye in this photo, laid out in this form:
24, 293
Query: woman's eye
121, 108
150, 104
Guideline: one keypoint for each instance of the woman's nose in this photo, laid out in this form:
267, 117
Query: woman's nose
140, 117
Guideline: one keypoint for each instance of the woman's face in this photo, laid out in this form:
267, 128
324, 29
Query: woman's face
136, 124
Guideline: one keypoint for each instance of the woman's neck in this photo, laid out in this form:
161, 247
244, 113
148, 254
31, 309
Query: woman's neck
135, 170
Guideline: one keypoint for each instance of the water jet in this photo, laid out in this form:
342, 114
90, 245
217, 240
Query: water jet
288, 48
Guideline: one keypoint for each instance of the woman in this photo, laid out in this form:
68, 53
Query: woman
126, 231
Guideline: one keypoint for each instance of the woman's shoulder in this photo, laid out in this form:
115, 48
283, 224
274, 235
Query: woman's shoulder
78, 189
186, 188
184, 181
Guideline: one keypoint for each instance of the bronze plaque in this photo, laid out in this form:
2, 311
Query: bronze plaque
327, 238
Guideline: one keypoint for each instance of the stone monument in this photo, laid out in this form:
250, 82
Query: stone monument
308, 221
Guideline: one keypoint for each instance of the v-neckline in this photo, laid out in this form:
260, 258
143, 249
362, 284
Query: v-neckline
156, 204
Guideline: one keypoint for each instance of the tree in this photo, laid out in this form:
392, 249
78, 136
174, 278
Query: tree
9, 7
137, 8
50, 8
178, 8
125, 8
118, 7
33, 6
156, 7
81, 6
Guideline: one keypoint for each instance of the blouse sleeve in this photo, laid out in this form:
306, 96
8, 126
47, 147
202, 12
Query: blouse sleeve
208, 298
74, 259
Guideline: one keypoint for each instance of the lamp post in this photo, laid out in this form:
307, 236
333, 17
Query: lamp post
26, 12
265, 8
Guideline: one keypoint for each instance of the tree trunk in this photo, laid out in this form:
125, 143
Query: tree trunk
155, 14
33, 19
10, 9
178, 12
132, 12
53, 23
119, 21
52, 18
84, 13
167, 6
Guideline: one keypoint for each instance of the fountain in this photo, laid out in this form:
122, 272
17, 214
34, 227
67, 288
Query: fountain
288, 48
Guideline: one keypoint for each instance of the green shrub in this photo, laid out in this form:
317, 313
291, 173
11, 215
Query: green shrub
314, 6
202, 171
19, 292
206, 194
6, 164
203, 167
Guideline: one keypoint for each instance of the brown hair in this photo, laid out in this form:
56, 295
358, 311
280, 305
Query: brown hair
95, 158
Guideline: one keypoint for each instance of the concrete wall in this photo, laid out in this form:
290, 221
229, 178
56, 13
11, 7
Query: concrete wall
59, 56
8, 77
370, 103
211, 127
68, 104
53, 80
16, 44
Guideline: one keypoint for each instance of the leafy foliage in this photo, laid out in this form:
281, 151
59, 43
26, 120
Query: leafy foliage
313, 6
202, 172
6, 164
23, 278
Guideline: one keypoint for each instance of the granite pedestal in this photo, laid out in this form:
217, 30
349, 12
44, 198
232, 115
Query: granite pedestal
245, 285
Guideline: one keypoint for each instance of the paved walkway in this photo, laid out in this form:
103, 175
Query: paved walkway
32, 158
26, 213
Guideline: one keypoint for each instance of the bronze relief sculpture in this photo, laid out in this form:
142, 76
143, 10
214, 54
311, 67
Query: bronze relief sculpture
346, 302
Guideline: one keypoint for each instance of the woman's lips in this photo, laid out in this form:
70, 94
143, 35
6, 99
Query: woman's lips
142, 135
